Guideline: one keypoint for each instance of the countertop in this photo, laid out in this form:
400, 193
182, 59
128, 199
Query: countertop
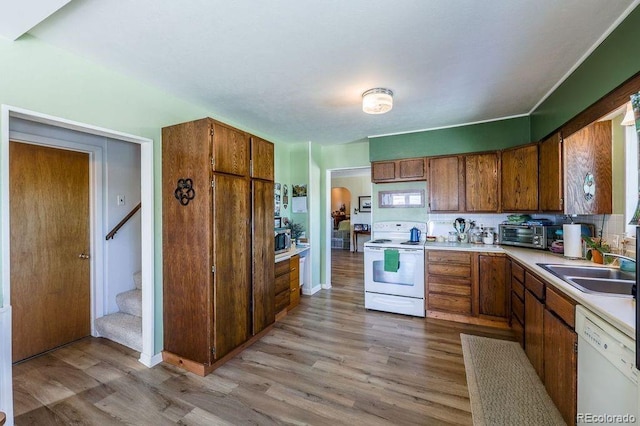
291, 253
618, 311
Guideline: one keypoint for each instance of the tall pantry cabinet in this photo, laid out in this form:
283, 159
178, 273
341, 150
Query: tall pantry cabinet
217, 230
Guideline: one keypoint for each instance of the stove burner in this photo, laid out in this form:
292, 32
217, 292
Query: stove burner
411, 243
380, 241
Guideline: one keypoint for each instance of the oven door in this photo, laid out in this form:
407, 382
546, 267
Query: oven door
407, 281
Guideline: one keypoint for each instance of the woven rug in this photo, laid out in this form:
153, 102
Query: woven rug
503, 386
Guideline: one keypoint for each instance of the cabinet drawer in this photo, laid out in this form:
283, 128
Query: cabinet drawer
446, 285
282, 267
518, 288
449, 303
450, 270
282, 283
561, 306
535, 286
294, 274
449, 257
517, 307
294, 297
282, 300
517, 272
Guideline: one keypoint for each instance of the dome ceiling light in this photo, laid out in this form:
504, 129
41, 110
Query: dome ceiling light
377, 101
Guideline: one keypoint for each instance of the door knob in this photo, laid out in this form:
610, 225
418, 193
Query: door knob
83, 256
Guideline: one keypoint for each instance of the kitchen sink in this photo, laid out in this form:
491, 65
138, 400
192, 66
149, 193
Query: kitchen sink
595, 279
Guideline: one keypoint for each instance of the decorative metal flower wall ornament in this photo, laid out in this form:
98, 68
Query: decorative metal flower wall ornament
185, 192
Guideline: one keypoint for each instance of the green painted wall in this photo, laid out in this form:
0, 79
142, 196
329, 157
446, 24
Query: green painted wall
477, 137
613, 62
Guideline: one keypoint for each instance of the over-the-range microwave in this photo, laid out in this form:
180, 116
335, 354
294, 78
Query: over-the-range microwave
532, 236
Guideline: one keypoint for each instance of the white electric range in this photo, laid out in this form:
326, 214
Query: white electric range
399, 290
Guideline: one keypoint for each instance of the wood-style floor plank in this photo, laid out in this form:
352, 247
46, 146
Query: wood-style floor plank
328, 362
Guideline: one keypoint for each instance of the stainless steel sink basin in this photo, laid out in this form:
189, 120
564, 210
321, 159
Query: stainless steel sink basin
595, 279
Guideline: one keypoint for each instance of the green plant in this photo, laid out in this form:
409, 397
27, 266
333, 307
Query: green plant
296, 229
596, 244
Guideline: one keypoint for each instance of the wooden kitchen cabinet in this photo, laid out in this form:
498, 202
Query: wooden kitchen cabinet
560, 354
263, 266
262, 159
449, 282
519, 179
534, 321
405, 170
517, 301
587, 163
212, 212
282, 286
550, 180
446, 184
294, 281
493, 286
482, 182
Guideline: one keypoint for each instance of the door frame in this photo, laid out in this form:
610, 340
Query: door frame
148, 357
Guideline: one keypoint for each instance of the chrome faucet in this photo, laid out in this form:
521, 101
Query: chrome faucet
619, 256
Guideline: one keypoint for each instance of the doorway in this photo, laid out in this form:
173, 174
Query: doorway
357, 181
148, 356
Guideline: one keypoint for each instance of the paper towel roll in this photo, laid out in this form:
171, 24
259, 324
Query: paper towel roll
572, 240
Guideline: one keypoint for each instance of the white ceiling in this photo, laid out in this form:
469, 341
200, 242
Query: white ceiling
294, 70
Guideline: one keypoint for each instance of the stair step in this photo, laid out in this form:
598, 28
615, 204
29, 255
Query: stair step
137, 279
121, 328
130, 302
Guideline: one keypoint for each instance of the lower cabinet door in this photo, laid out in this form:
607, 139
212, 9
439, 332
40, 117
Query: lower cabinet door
560, 365
533, 332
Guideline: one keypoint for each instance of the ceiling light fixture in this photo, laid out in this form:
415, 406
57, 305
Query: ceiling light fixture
629, 119
377, 101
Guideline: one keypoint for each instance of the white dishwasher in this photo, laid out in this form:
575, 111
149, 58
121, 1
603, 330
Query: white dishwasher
607, 377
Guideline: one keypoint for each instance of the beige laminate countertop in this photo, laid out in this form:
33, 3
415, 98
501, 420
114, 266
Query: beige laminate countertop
618, 311
291, 253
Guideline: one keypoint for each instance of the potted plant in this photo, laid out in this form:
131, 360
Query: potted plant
596, 249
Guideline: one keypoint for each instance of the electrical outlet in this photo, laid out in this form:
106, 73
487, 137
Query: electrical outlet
120, 200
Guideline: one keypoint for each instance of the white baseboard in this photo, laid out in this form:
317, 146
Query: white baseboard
325, 286
6, 373
311, 291
150, 361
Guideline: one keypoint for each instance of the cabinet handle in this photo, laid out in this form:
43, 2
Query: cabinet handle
293, 269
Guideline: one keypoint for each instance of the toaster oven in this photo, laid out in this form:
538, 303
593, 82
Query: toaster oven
532, 236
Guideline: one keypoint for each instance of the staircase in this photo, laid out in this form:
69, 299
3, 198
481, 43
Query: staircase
125, 326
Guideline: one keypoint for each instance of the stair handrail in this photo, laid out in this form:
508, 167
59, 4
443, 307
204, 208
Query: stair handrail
116, 228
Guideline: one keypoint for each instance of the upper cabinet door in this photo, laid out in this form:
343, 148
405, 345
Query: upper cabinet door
519, 180
481, 189
587, 162
550, 178
261, 159
410, 169
446, 184
230, 150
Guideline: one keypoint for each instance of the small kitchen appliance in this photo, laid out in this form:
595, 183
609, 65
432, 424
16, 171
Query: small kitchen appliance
528, 235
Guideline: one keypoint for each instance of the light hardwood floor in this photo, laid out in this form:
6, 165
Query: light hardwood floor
328, 362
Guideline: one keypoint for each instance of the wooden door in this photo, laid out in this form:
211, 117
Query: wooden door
50, 280
519, 179
550, 177
263, 256
493, 285
561, 365
588, 152
231, 254
533, 332
261, 159
230, 149
445, 184
481, 187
